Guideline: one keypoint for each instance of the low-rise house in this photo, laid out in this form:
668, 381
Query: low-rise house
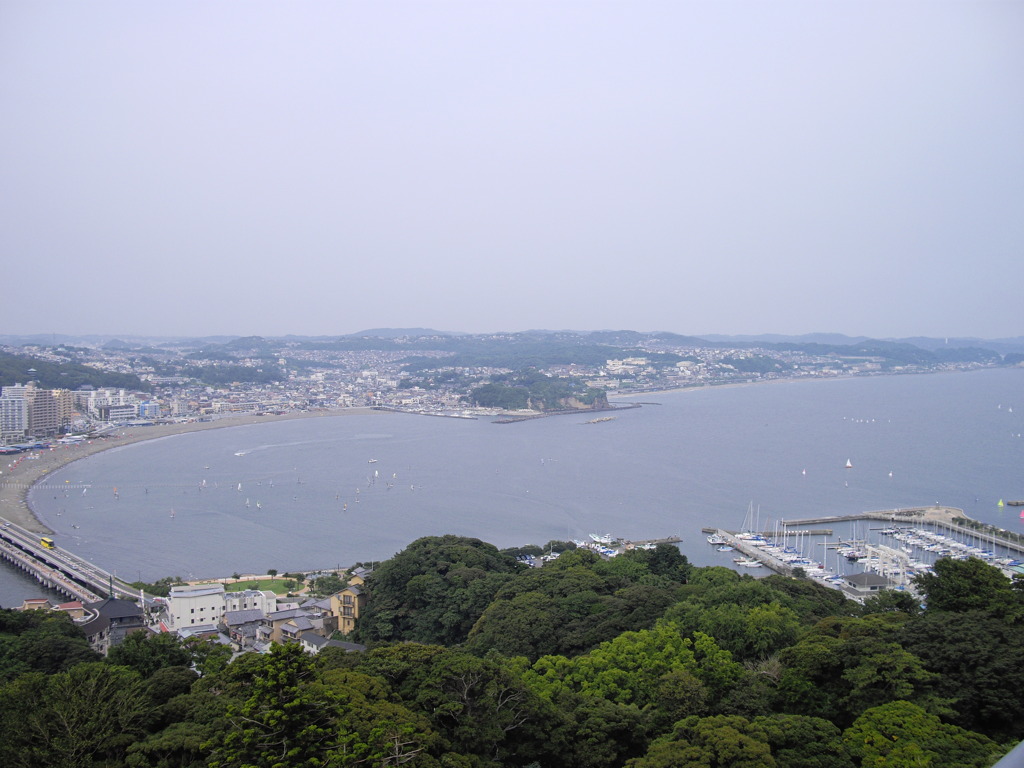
866, 583
35, 604
242, 626
281, 626
323, 609
206, 631
357, 576
291, 630
313, 643
107, 622
72, 608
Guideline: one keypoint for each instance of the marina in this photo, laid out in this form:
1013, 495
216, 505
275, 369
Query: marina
908, 544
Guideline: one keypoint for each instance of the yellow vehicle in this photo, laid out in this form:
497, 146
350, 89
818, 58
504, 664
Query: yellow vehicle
47, 542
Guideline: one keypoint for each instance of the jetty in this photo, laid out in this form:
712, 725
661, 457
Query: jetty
626, 544
769, 534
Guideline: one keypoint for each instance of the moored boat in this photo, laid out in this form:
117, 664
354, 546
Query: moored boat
745, 562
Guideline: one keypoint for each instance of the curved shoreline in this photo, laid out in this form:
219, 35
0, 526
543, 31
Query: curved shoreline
16, 481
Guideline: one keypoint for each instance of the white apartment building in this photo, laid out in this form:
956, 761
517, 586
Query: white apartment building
13, 414
116, 413
196, 604
98, 403
250, 599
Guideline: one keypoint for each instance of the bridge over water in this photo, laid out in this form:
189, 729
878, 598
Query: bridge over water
59, 569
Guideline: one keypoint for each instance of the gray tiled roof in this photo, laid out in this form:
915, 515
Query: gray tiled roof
234, 618
867, 580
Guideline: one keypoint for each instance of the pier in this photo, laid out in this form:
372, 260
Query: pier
750, 551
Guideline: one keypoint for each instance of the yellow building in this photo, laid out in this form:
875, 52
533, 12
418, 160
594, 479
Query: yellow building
346, 606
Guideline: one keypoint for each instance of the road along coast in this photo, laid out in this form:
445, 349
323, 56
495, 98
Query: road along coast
19, 472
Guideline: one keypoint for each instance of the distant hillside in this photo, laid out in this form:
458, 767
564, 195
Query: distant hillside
780, 338
1002, 346
97, 340
395, 333
626, 338
404, 338
20, 369
927, 343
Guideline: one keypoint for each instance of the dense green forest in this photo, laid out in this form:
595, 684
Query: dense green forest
476, 661
16, 369
532, 389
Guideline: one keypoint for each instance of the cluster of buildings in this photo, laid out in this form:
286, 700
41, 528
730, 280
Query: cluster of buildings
318, 378
29, 411
105, 623
26, 410
249, 620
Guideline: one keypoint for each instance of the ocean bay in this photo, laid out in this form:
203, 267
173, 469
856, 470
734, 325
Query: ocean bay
319, 493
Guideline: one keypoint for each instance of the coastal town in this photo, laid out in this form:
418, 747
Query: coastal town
235, 613
167, 387
166, 380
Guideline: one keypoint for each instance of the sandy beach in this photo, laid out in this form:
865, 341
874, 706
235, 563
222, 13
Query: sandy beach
19, 472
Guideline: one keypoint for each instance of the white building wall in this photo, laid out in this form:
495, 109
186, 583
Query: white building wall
250, 599
194, 605
13, 414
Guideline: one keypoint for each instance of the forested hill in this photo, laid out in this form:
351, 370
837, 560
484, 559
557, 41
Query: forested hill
20, 369
477, 661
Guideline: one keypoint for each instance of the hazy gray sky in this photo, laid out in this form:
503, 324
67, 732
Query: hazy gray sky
699, 167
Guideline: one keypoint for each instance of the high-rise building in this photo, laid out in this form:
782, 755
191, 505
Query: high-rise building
13, 414
43, 412
65, 407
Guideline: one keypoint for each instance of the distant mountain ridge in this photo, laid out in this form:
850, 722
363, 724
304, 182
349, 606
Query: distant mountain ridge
397, 333
780, 338
602, 337
1003, 345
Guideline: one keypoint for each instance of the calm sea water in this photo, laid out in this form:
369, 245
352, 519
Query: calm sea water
314, 493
